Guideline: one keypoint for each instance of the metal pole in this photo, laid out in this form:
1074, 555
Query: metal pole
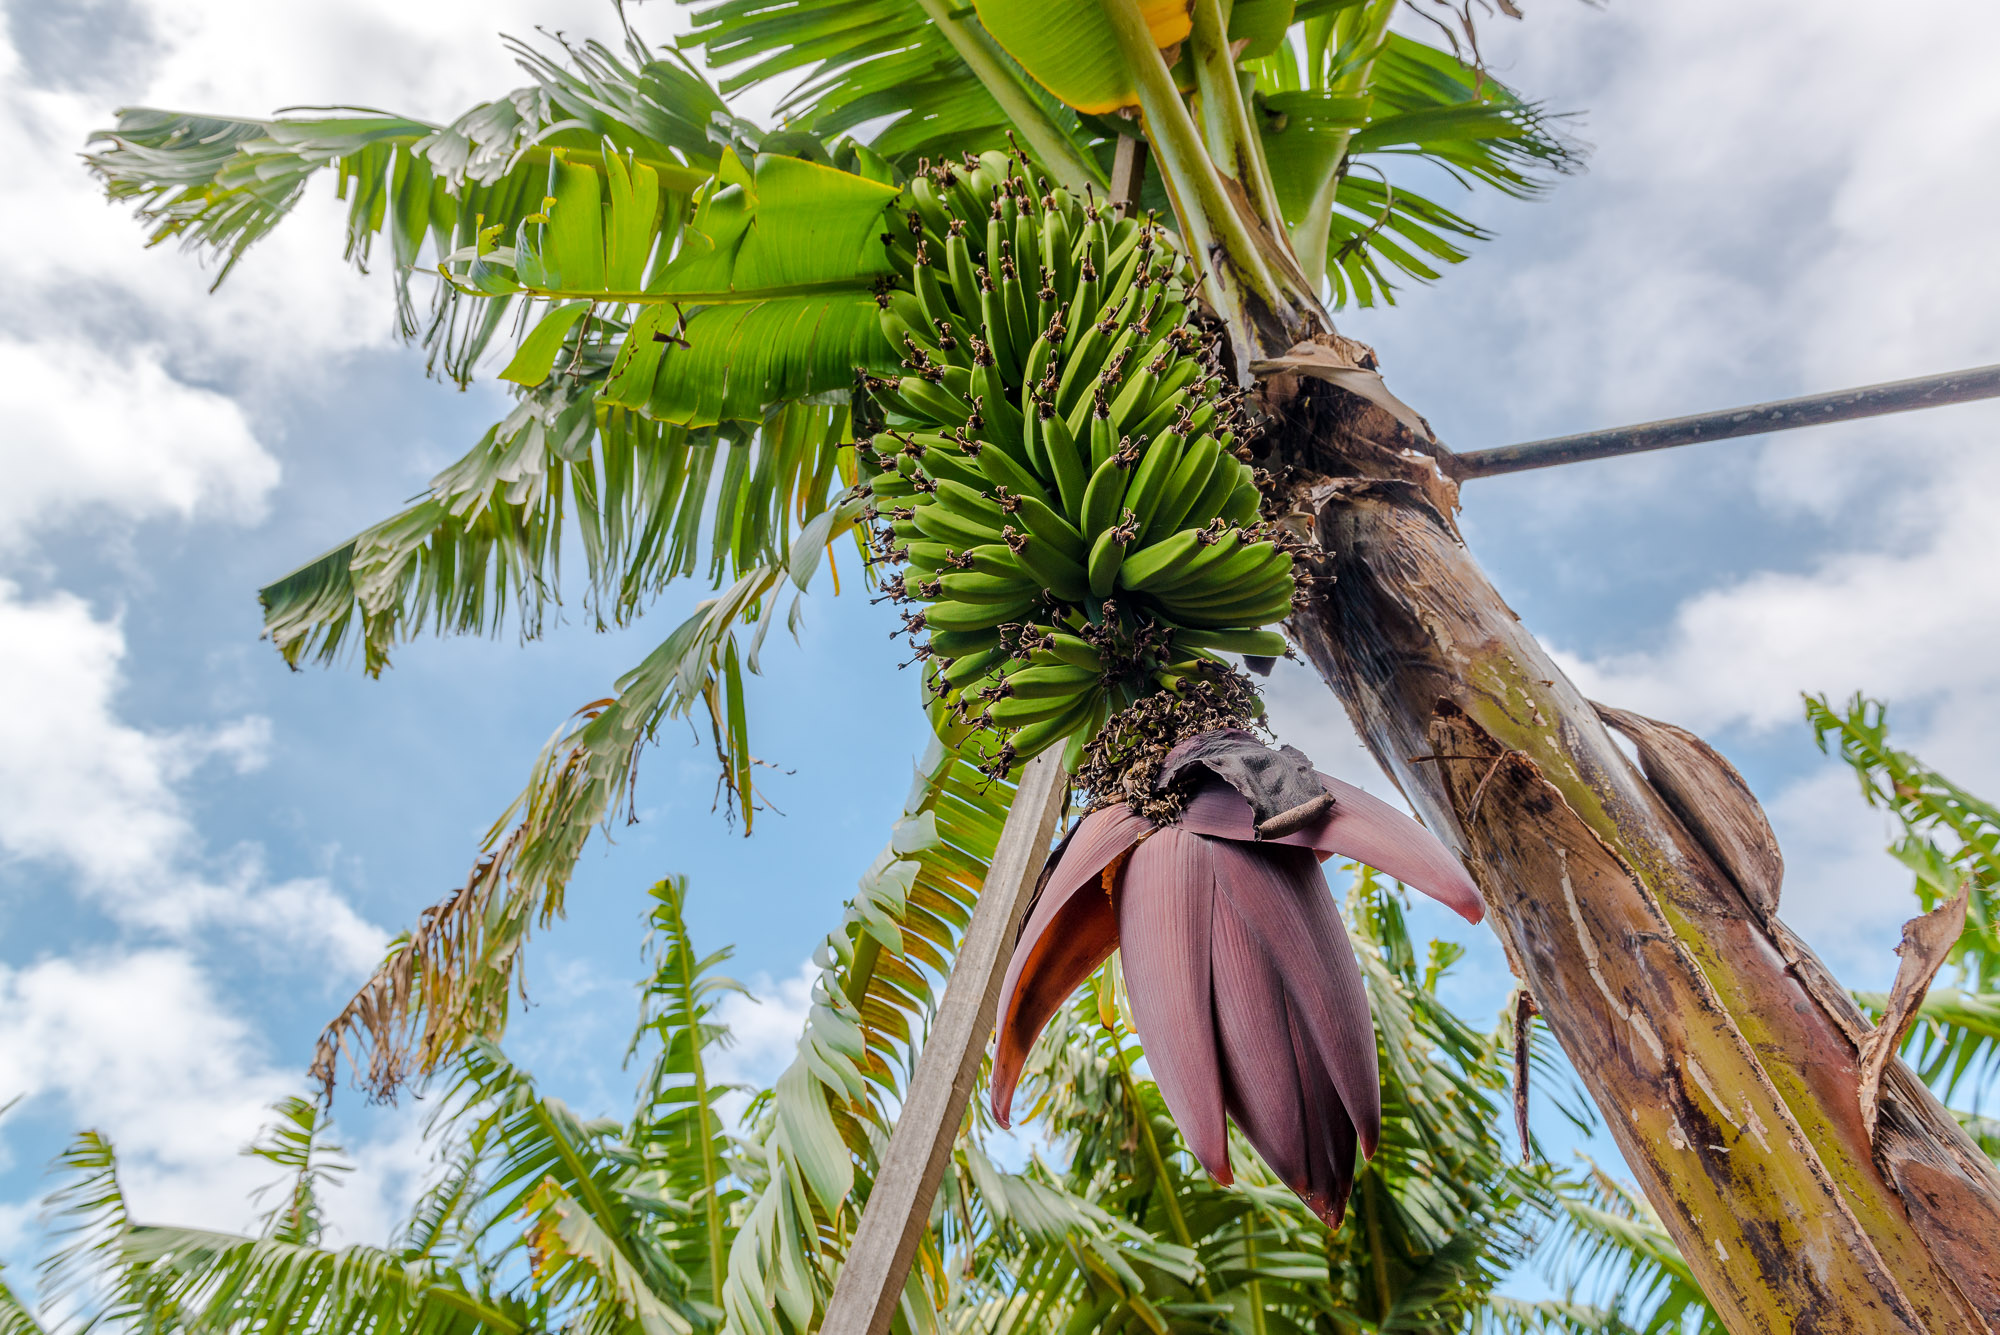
899, 1208
1897, 396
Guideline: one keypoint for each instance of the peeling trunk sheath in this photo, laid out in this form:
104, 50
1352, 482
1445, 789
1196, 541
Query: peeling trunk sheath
1844, 405
1731, 1088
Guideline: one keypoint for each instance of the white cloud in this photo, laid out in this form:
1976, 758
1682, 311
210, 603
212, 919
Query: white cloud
1748, 227
80, 786
84, 790
764, 1030
92, 429
1914, 616
76, 263
138, 1046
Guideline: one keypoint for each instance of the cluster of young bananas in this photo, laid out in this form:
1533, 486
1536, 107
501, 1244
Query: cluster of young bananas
1058, 470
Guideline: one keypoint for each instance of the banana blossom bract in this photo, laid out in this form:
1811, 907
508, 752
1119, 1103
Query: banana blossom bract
1242, 983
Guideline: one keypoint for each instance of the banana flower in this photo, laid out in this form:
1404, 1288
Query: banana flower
1243, 987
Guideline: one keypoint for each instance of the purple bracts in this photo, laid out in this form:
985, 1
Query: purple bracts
1243, 985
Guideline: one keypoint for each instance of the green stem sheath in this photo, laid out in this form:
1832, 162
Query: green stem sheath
1045, 139
1233, 143
1365, 35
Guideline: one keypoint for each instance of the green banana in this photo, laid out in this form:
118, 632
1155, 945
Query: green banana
1240, 568
996, 405
1214, 495
974, 666
1035, 738
958, 262
1184, 488
1039, 683
960, 643
1065, 463
954, 615
1142, 492
1014, 300
999, 340
1036, 364
928, 556
1151, 562
1263, 643
1091, 723
934, 402
1040, 521
957, 378
1076, 650
1082, 307
1013, 711
970, 502
1101, 499
1107, 554
1003, 470
1028, 251
1103, 442
924, 279
1002, 514
1056, 269
923, 191
972, 586
1277, 610
1236, 577
942, 525
1197, 568
1244, 504
1137, 391
997, 559
1265, 589
1081, 364
1161, 418
947, 463
1054, 571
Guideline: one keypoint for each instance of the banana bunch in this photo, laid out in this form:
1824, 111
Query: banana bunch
1057, 469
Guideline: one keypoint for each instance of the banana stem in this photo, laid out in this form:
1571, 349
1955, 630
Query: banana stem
1239, 282
1255, 1288
1233, 142
1045, 138
1310, 237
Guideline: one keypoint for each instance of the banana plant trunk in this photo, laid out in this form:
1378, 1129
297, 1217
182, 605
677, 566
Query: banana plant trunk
1636, 901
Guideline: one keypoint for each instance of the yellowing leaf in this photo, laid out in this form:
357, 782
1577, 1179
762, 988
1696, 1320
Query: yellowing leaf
1069, 47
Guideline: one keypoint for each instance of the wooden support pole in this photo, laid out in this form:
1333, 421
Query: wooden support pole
898, 1210
1128, 174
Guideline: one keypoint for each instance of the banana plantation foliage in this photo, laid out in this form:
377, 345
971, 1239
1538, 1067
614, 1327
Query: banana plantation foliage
1071, 414
539, 1219
665, 1221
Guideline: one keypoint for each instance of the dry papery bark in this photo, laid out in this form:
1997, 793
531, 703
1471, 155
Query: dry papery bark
1636, 902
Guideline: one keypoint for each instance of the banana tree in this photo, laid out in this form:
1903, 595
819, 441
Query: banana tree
741, 349
1637, 902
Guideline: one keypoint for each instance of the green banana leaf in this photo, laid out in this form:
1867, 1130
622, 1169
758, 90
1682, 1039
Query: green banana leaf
766, 298
924, 76
1071, 50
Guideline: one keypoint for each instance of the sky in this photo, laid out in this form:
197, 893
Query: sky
201, 852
